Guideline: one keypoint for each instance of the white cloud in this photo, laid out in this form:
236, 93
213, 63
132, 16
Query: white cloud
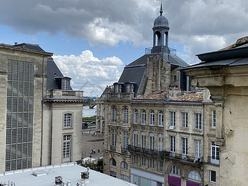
198, 25
89, 73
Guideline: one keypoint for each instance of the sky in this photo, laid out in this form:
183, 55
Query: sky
93, 40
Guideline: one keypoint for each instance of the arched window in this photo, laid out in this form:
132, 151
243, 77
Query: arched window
112, 162
124, 165
194, 175
67, 120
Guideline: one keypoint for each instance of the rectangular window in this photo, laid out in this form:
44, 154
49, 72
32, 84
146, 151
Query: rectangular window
184, 146
198, 121
172, 118
184, 119
143, 141
197, 148
125, 139
213, 119
135, 116
152, 118
152, 142
212, 176
66, 148
160, 118
143, 161
172, 143
114, 114
113, 138
215, 153
160, 142
136, 140
67, 120
143, 117
125, 115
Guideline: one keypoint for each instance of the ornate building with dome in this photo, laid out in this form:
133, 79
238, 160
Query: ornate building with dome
153, 121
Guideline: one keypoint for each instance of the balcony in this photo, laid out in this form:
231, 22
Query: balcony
112, 148
124, 150
58, 95
213, 160
144, 151
183, 158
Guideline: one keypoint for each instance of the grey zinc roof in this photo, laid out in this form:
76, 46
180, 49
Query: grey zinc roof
139, 62
27, 46
219, 63
175, 60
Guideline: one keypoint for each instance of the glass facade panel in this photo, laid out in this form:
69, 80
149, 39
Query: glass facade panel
19, 115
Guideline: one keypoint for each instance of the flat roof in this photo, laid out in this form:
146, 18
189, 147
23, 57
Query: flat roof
70, 173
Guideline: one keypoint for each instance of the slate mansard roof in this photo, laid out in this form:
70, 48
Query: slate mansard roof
53, 71
135, 72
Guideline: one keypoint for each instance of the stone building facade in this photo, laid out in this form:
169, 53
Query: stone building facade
157, 130
224, 73
27, 72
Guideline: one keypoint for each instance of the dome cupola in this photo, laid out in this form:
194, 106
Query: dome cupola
160, 33
161, 21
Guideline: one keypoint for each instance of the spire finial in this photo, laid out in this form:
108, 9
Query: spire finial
161, 8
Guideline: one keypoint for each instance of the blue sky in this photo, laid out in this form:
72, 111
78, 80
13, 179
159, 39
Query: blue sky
93, 40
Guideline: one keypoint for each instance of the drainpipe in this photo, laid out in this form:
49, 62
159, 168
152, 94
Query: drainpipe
42, 110
203, 144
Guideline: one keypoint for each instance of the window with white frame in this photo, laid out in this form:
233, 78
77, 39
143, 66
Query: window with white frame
113, 138
197, 144
160, 142
212, 176
135, 116
143, 117
184, 146
114, 114
160, 118
143, 141
198, 121
152, 117
125, 115
152, 141
125, 139
215, 153
135, 140
172, 143
67, 120
213, 119
172, 118
67, 147
175, 170
184, 119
